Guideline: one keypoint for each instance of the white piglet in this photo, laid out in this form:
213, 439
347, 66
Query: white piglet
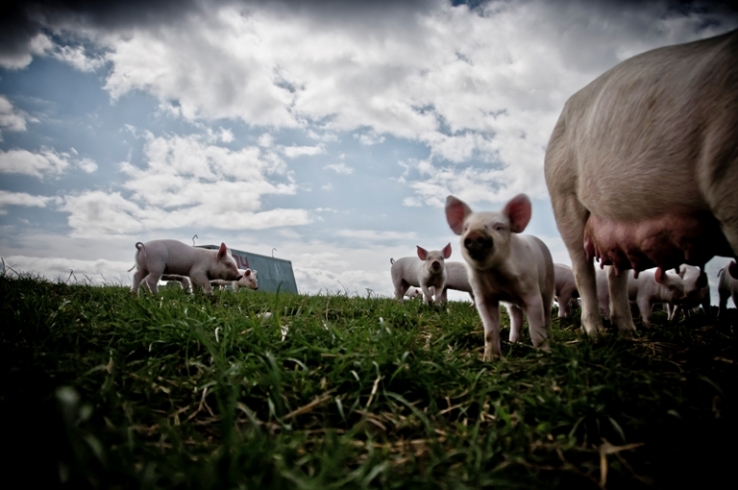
696, 291
247, 280
426, 271
651, 287
457, 278
565, 289
159, 257
505, 266
727, 287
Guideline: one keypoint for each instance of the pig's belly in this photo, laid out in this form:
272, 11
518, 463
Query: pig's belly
664, 241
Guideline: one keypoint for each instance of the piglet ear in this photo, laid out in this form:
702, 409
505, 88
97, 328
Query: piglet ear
222, 251
456, 213
422, 253
518, 211
447, 251
660, 275
247, 273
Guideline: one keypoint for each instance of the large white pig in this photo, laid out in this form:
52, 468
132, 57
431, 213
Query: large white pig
652, 287
727, 287
159, 257
505, 266
642, 168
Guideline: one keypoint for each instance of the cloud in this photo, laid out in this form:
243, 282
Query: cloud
45, 162
340, 168
296, 151
381, 236
370, 139
188, 182
96, 272
12, 119
8, 198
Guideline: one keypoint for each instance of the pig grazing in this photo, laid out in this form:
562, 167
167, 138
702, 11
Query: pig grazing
652, 287
505, 266
696, 291
426, 271
247, 280
159, 257
727, 287
642, 168
565, 289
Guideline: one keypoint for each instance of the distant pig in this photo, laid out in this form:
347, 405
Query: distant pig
505, 266
413, 293
159, 257
727, 287
457, 278
248, 280
426, 271
696, 291
651, 287
183, 280
565, 289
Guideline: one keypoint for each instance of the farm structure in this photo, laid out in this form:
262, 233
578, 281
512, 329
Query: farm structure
272, 272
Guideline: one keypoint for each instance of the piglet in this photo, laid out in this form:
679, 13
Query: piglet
426, 271
696, 292
457, 278
654, 286
505, 266
159, 257
565, 289
247, 280
727, 287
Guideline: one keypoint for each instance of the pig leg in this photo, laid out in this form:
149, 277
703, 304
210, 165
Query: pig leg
152, 282
427, 294
644, 307
202, 281
516, 321
672, 311
401, 288
723, 301
489, 312
571, 217
535, 312
620, 315
138, 276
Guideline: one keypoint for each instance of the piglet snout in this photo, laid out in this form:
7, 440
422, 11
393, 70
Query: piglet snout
478, 244
436, 265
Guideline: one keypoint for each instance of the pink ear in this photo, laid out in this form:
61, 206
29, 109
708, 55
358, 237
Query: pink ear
222, 251
456, 213
660, 275
422, 253
247, 273
447, 251
518, 211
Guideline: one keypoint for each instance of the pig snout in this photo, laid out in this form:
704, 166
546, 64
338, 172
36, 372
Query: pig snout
436, 266
478, 244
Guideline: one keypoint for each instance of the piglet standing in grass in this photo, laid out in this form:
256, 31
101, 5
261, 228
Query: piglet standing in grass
505, 266
159, 257
426, 271
727, 287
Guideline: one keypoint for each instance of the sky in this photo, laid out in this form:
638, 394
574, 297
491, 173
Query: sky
327, 133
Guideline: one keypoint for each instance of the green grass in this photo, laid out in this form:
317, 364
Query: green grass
103, 389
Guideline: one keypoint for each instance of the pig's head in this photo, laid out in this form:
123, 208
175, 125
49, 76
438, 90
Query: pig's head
485, 237
225, 266
672, 285
694, 280
248, 280
434, 260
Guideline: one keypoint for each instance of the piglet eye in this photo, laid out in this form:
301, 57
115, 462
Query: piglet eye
499, 227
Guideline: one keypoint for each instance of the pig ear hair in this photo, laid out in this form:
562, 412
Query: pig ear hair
518, 211
222, 251
422, 253
447, 251
456, 213
247, 272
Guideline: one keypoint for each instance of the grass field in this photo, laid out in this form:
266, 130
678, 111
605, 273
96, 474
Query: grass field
103, 389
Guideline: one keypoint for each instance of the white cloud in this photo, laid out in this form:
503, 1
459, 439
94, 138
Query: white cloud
45, 162
266, 140
187, 182
8, 198
12, 119
76, 56
370, 139
87, 165
327, 187
96, 272
340, 168
296, 151
376, 235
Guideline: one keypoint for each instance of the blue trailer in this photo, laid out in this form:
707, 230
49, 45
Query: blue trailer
272, 272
